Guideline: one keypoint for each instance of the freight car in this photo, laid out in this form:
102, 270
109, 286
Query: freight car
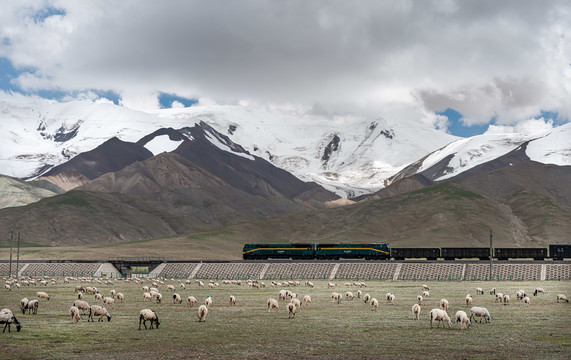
415, 253
520, 253
465, 253
560, 251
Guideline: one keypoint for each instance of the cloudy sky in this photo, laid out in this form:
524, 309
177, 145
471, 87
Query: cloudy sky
459, 65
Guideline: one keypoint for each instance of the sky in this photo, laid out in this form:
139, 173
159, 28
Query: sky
457, 65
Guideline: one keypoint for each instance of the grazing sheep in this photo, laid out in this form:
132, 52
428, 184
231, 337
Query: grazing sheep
32, 307
468, 300
232, 300
273, 304
182, 286
366, 298
296, 302
8, 318
440, 316
562, 297
200, 283
331, 285
391, 298
479, 291
444, 305
349, 295
520, 294
493, 291
74, 314
425, 294
526, 300
416, 311
98, 296
145, 288
306, 299
176, 299
538, 290
190, 301
282, 295
148, 315
81, 305
359, 293
419, 299
43, 295
96, 310
499, 297
79, 288
337, 297
147, 297
159, 298
80, 295
481, 313
506, 299
425, 287
374, 304
108, 301
90, 290
7, 287
208, 301
291, 309
120, 297
170, 287
462, 318
23, 304
113, 293
202, 312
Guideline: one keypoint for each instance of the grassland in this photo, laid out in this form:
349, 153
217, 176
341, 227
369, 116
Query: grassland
324, 329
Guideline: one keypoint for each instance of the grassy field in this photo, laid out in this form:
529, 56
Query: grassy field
323, 329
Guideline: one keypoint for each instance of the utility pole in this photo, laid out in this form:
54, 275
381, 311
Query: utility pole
18, 258
11, 238
491, 254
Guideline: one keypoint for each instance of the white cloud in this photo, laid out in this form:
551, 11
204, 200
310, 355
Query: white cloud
502, 59
177, 105
529, 126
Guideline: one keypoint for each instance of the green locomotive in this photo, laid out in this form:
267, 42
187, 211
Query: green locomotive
372, 251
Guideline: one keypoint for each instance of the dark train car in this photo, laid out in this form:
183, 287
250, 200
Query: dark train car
559, 251
465, 253
277, 251
376, 251
520, 253
415, 253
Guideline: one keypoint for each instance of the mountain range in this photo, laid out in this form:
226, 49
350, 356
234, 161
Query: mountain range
100, 173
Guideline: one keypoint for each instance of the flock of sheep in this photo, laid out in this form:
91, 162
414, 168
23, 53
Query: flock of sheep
151, 293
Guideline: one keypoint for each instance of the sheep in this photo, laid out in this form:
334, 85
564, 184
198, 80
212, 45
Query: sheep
291, 309
201, 284
23, 304
190, 301
481, 313
506, 299
273, 304
170, 287
499, 297
145, 288
391, 298
232, 300
8, 318
468, 300
562, 297
374, 304
182, 286
419, 299
306, 299
416, 311
349, 295
538, 290
96, 310
331, 285
493, 291
462, 318
79, 288
520, 294
444, 305
202, 312
159, 298
98, 296
296, 302
440, 316
208, 301
425, 294
8, 287
147, 297
479, 291
80, 295
148, 315
425, 287
74, 314
43, 295
526, 300
176, 299
32, 307
113, 293
90, 290
336, 296
366, 298
81, 305
359, 293
282, 295
120, 297
108, 301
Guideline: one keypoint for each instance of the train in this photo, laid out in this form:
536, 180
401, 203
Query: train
382, 251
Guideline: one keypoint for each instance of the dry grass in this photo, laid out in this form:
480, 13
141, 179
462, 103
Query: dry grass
324, 329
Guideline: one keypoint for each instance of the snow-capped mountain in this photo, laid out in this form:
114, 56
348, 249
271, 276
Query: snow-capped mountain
348, 158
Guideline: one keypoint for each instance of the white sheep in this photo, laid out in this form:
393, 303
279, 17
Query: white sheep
462, 318
202, 312
74, 314
273, 304
374, 304
23, 304
43, 295
232, 300
481, 313
148, 315
440, 316
306, 299
98, 296
391, 298
170, 287
419, 299
506, 299
562, 297
526, 300
416, 311
96, 310
8, 287
113, 293
291, 309
120, 297
282, 295
493, 291
425, 294
296, 302
538, 290
499, 297
182, 286
208, 301
520, 294
366, 298
108, 301
80, 295
145, 288
425, 287
176, 299
190, 301
479, 291
359, 293
8, 318
81, 305
468, 300
444, 305
32, 307
147, 297
349, 295
331, 285
337, 297
159, 298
